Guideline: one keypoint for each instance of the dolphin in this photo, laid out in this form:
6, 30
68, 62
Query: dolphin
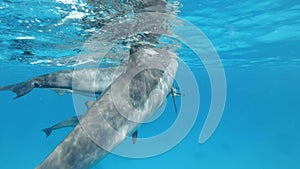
73, 121
131, 99
84, 81
69, 122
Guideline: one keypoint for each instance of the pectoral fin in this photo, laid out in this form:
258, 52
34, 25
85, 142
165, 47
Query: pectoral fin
174, 93
134, 136
174, 100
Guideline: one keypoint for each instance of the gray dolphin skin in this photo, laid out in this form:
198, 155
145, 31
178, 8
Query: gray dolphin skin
84, 81
104, 126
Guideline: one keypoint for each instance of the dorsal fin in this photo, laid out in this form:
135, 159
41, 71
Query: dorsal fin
89, 103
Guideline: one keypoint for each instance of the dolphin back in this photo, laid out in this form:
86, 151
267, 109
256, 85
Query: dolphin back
20, 88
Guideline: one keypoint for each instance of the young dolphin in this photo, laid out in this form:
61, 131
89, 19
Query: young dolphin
69, 122
104, 126
73, 121
85, 81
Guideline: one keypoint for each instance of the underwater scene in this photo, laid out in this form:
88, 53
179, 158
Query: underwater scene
143, 84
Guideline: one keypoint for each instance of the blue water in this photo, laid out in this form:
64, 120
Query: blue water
257, 41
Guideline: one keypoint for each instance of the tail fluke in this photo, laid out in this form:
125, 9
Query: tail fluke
20, 88
47, 131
